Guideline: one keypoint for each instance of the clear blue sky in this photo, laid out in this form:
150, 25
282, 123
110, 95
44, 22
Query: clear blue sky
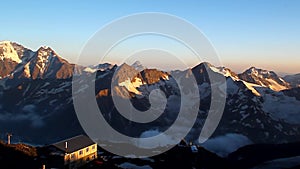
262, 33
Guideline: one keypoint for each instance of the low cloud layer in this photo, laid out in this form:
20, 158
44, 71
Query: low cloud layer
28, 114
224, 145
153, 141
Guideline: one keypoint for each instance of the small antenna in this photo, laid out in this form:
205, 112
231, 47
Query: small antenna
8, 137
66, 146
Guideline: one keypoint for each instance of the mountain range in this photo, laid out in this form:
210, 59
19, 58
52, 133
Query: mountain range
36, 98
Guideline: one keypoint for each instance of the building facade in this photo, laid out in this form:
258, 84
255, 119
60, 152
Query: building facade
73, 152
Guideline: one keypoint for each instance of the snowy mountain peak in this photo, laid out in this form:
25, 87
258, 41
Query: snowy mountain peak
7, 51
264, 78
207, 64
101, 67
202, 67
45, 51
45, 47
124, 72
125, 67
228, 73
138, 66
260, 72
19, 62
225, 71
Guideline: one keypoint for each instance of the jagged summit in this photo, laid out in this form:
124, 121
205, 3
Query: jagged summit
7, 51
36, 94
260, 72
16, 61
20, 62
264, 78
45, 49
125, 72
138, 66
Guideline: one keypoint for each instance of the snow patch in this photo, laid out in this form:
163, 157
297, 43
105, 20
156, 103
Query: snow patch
224, 71
275, 86
132, 85
89, 70
251, 86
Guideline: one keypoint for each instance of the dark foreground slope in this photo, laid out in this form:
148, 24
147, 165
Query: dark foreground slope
262, 156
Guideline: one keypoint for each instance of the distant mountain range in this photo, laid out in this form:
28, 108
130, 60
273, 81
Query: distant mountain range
36, 98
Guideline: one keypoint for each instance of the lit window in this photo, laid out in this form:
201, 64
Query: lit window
67, 157
80, 152
93, 147
72, 155
87, 149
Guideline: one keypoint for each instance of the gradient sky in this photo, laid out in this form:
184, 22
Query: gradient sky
245, 33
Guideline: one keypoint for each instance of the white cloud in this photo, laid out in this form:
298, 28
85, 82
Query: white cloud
223, 145
28, 114
153, 139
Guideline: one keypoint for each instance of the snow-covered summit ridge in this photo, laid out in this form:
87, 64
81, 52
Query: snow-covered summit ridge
19, 62
15, 57
264, 78
7, 51
254, 78
138, 66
